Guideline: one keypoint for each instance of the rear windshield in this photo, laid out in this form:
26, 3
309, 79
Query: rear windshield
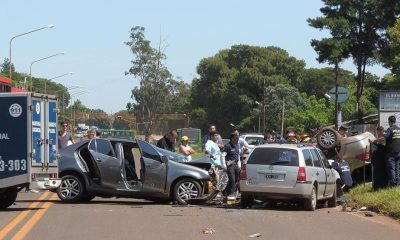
255, 140
274, 156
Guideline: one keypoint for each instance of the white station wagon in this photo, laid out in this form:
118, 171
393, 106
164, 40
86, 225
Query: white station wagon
288, 172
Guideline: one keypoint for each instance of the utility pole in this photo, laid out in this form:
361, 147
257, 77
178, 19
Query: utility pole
336, 94
263, 106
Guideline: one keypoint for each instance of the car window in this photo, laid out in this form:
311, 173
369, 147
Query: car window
307, 157
324, 159
316, 159
149, 152
274, 156
254, 140
102, 146
176, 157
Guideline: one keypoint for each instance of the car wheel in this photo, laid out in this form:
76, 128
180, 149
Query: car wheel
332, 200
8, 198
246, 201
328, 138
310, 203
71, 189
186, 189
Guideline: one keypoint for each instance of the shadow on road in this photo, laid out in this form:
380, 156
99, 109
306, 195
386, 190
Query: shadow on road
19, 209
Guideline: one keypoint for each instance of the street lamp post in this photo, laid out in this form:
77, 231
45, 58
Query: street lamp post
262, 107
30, 68
283, 116
259, 117
45, 83
19, 35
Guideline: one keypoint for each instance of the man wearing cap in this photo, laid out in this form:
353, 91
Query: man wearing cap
185, 149
392, 138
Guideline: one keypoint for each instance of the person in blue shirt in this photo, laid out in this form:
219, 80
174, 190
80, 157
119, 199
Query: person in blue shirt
231, 159
392, 138
211, 129
343, 168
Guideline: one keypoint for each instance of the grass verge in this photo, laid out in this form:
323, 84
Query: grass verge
385, 201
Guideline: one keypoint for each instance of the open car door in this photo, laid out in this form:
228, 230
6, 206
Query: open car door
155, 169
108, 164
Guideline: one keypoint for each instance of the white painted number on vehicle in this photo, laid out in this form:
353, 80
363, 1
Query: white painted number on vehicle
13, 165
15, 110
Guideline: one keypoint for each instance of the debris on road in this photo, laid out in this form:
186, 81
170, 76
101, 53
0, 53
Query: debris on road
255, 235
369, 214
209, 231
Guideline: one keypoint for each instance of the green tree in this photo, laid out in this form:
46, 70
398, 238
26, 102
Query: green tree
123, 120
154, 78
98, 118
281, 99
232, 80
360, 28
5, 67
390, 56
178, 99
316, 81
314, 113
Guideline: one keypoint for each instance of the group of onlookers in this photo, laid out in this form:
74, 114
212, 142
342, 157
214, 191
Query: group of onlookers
386, 156
65, 137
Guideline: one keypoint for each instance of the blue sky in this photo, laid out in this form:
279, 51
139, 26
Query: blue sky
92, 35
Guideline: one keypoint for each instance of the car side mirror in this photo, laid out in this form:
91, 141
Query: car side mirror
164, 159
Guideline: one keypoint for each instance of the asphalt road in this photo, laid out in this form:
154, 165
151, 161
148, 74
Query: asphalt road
43, 216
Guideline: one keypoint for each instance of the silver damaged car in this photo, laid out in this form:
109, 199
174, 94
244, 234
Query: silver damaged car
133, 169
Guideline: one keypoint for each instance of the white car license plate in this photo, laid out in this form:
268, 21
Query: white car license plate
272, 176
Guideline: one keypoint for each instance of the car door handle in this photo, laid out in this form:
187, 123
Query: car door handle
327, 175
98, 159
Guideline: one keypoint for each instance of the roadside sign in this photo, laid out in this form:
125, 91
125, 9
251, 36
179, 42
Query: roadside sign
389, 105
389, 101
343, 94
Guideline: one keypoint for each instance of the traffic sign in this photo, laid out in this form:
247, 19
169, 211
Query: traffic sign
343, 94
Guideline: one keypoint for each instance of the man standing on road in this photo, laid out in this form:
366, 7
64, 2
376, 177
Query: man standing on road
232, 159
168, 141
242, 146
64, 137
380, 179
211, 149
392, 138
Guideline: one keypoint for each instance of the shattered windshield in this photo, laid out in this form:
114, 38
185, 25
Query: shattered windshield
176, 157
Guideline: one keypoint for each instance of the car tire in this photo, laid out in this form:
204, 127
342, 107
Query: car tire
71, 189
328, 138
246, 201
332, 200
310, 204
8, 198
186, 189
